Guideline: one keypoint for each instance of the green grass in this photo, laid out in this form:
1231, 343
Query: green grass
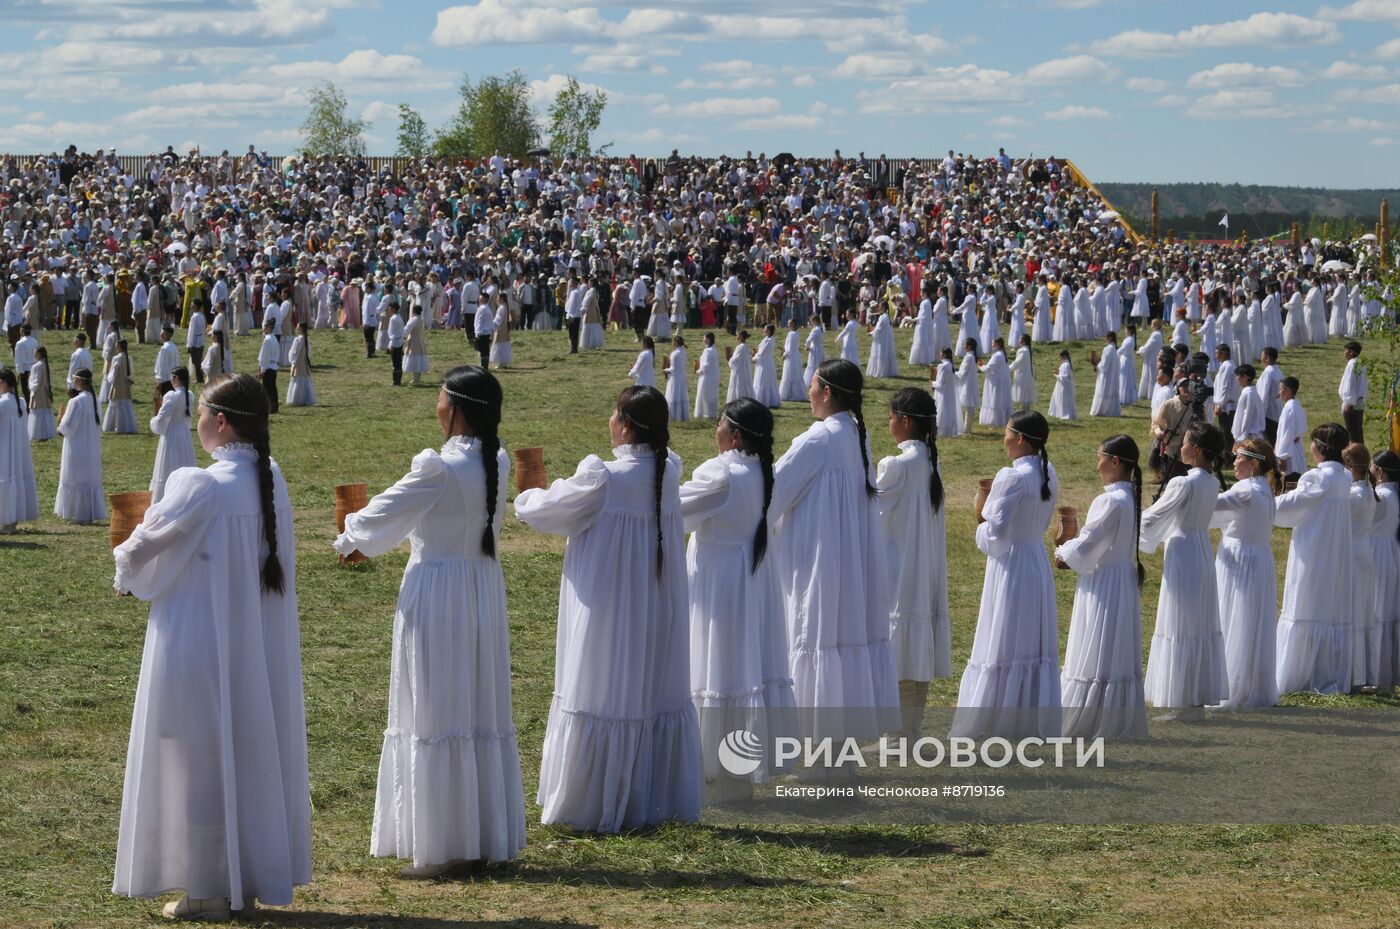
70, 651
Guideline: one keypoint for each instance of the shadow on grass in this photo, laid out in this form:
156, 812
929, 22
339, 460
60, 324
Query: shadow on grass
394, 921
852, 843
617, 878
22, 546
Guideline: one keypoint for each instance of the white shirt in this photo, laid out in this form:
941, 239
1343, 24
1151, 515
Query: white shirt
195, 337
483, 324
1227, 389
396, 331
80, 359
24, 353
167, 360
573, 303
14, 310
269, 353
1352, 390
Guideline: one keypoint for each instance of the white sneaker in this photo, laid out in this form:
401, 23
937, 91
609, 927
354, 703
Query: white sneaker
213, 909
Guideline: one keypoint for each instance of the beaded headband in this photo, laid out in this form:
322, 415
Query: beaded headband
898, 412
462, 396
1248, 454
735, 423
831, 386
227, 410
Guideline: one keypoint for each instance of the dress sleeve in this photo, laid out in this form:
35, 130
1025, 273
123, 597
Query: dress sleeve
159, 550
705, 493
794, 473
161, 420
569, 505
1294, 506
1007, 491
392, 515
1087, 551
1228, 505
1159, 519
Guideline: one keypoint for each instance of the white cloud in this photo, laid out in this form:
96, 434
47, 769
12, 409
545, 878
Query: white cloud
1149, 85
721, 106
259, 23
752, 82
1386, 93
363, 66
804, 80
1241, 104
733, 66
543, 92
1078, 69
1241, 74
1078, 112
1350, 124
789, 121
1382, 141
377, 111
1265, 29
1075, 4
492, 22
870, 67
1006, 121
1389, 49
943, 90
1346, 70
1364, 10
1170, 100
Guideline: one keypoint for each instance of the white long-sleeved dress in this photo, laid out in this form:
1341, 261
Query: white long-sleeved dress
39, 416
677, 390
1011, 687
792, 388
216, 800
740, 373
846, 343
816, 353
707, 384
1247, 590
19, 496
175, 448
827, 550
883, 361
996, 391
1127, 372
643, 370
1062, 397
765, 374
300, 390
1150, 351
1365, 625
80, 497
1101, 686
449, 786
1314, 625
923, 351
1023, 380
916, 551
739, 675
120, 415
967, 383
1186, 663
1108, 395
1385, 556
945, 396
622, 745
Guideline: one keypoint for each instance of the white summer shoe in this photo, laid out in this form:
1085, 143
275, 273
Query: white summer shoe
212, 909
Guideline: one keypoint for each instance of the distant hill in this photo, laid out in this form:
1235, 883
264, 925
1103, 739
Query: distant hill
1260, 210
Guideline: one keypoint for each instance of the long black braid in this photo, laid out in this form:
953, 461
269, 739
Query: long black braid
845, 381
1125, 450
83, 377
243, 402
921, 409
754, 423
182, 374
7, 377
1032, 427
1211, 442
645, 410
475, 395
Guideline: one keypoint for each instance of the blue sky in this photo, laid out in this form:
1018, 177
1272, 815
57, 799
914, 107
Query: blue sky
1275, 93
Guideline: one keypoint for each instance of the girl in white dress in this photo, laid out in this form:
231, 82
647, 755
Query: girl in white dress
40, 413
882, 361
592, 336
1186, 664
120, 416
830, 563
846, 340
1295, 326
1107, 394
1011, 687
1040, 319
945, 392
792, 388
1365, 625
643, 372
740, 370
707, 380
1127, 368
216, 801
300, 391
996, 389
816, 352
911, 509
449, 770
967, 383
923, 351
1101, 685
739, 677
967, 325
19, 497
1023, 376
1385, 556
1314, 627
990, 330
659, 324
1062, 397
765, 370
415, 345
175, 449
677, 388
502, 354
1150, 351
622, 746
1245, 580
80, 497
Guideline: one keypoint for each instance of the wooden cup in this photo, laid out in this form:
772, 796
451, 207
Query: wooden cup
529, 468
984, 490
128, 510
1069, 524
349, 498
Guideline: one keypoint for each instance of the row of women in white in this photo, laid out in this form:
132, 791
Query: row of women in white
813, 582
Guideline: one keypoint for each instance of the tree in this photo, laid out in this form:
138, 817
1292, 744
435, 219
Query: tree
1382, 362
494, 115
413, 133
327, 129
573, 118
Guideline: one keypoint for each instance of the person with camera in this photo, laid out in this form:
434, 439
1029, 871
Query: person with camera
1175, 417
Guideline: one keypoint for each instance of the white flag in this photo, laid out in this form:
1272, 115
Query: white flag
1224, 221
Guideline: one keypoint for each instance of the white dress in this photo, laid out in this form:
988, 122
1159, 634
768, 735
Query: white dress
816, 354
1127, 372
1385, 557
740, 374
415, 346
1150, 351
1040, 320
1315, 315
916, 551
622, 746
1186, 664
989, 331
120, 415
175, 449
449, 769
1011, 687
923, 352
19, 497
967, 326
1062, 398
941, 340
677, 388
1101, 684
1295, 325
792, 388
846, 342
501, 353
967, 382
1023, 380
1365, 625
39, 420
707, 384
945, 396
1247, 591
1314, 624
883, 362
827, 550
996, 391
643, 370
300, 390
216, 801
80, 497
1108, 396
765, 374
739, 676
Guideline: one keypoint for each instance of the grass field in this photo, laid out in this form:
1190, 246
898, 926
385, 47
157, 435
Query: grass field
70, 651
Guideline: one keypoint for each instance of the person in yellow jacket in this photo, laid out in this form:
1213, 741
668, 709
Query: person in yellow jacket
194, 293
